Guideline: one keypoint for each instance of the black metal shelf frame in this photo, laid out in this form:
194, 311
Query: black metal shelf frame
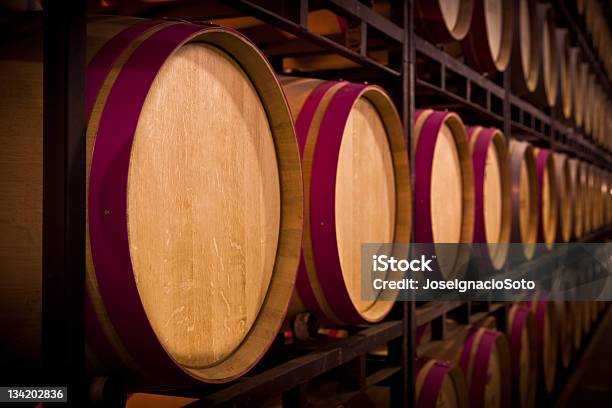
64, 193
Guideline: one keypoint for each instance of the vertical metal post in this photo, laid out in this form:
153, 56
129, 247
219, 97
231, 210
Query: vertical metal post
404, 396
507, 105
63, 252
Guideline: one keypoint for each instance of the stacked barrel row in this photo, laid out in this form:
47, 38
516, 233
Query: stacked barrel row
495, 364
214, 190
593, 16
207, 205
548, 68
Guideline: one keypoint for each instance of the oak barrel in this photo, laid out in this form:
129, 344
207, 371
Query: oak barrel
184, 278
564, 63
525, 213
577, 198
547, 339
488, 44
565, 318
492, 197
565, 205
439, 384
547, 199
357, 190
547, 89
520, 330
442, 21
443, 188
589, 103
483, 355
578, 78
527, 47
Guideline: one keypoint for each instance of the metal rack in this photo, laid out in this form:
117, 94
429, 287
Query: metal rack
64, 192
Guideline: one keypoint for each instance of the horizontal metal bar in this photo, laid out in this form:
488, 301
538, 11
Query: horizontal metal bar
371, 17
289, 26
433, 310
457, 66
294, 372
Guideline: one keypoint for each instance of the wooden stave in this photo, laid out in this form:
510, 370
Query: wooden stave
544, 312
423, 150
430, 23
476, 51
589, 103
565, 209
331, 302
520, 319
577, 197
147, 361
481, 139
545, 169
563, 61
586, 184
527, 81
459, 349
430, 376
578, 84
519, 152
547, 90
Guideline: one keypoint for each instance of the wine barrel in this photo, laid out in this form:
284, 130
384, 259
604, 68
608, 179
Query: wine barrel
578, 317
578, 81
564, 63
527, 47
547, 88
589, 103
443, 21
483, 355
444, 187
608, 198
521, 335
596, 198
488, 44
525, 211
565, 332
547, 339
547, 199
493, 203
162, 223
587, 186
565, 205
357, 189
439, 384
577, 197
580, 6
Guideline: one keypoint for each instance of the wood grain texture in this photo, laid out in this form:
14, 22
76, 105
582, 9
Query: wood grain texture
365, 193
524, 196
204, 205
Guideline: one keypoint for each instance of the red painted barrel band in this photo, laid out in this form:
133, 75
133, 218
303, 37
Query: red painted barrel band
302, 128
432, 385
322, 202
